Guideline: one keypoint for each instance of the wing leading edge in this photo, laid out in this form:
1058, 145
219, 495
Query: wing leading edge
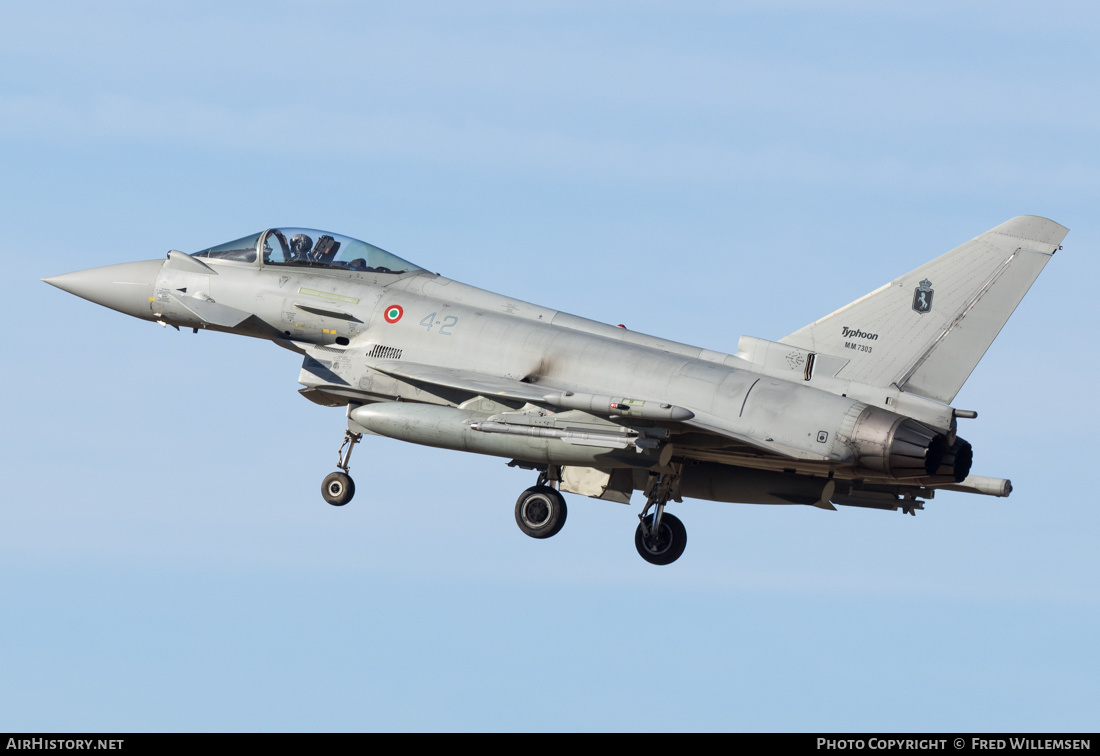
561, 398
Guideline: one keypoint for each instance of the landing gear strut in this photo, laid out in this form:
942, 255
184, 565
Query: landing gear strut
660, 538
541, 510
338, 487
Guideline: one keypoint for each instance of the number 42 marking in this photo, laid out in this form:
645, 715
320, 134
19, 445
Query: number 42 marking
445, 325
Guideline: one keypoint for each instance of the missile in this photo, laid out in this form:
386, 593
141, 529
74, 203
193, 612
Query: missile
463, 430
611, 405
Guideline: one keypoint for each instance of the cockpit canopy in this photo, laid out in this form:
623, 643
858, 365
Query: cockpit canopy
310, 248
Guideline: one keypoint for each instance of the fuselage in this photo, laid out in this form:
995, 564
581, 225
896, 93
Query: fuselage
424, 318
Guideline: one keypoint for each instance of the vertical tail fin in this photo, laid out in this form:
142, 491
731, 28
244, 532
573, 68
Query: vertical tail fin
926, 331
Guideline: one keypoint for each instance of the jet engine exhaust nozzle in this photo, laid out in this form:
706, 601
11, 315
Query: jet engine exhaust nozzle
956, 462
897, 446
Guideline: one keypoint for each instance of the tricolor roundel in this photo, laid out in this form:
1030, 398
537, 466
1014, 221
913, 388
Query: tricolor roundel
393, 313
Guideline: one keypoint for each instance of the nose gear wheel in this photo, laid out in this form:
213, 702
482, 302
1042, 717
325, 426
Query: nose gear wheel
338, 488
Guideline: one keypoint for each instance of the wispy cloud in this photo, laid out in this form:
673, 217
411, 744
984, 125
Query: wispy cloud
550, 150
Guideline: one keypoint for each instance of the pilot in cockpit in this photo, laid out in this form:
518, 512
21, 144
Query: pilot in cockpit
300, 246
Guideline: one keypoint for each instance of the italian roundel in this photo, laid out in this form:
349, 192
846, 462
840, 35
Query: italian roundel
393, 313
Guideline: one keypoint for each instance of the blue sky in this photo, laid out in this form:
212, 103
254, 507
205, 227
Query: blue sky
696, 170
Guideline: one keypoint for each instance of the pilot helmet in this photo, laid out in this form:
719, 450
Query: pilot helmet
300, 244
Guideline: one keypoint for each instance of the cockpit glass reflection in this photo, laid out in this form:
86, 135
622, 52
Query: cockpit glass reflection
311, 248
241, 250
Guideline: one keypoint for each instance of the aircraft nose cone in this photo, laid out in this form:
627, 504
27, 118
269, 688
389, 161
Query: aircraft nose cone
127, 287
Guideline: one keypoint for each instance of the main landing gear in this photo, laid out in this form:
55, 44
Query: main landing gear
541, 510
338, 487
660, 537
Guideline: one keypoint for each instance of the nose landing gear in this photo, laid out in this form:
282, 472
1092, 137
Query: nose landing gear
338, 487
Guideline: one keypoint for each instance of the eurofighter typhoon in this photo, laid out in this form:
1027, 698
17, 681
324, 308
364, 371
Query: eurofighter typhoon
854, 409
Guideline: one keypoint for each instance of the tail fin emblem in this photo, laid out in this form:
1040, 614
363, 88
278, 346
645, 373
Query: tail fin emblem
922, 297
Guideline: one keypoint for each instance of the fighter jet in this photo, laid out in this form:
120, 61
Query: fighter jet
854, 409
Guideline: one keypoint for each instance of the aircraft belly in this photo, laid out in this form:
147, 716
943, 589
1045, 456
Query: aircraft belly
749, 486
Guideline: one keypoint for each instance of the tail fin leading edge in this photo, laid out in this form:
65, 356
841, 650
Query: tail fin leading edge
926, 331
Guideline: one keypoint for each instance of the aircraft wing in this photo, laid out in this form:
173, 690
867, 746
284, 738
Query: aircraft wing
464, 380
544, 393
